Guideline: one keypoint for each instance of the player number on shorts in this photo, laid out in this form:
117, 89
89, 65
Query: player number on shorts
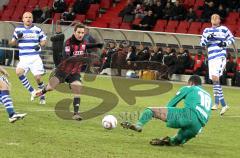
205, 100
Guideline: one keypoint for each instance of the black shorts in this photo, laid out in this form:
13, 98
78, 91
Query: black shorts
69, 78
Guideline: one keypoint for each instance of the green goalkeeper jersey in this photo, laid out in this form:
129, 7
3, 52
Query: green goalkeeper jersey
196, 99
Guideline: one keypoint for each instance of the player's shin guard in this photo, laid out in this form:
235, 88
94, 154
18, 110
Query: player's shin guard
145, 117
26, 83
216, 88
76, 104
7, 102
41, 86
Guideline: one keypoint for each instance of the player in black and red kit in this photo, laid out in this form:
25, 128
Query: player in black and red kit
70, 67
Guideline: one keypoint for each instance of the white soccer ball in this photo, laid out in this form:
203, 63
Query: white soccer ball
109, 122
131, 74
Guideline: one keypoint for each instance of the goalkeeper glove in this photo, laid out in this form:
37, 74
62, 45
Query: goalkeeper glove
37, 47
222, 44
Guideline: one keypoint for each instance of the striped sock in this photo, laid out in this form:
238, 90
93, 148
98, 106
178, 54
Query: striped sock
216, 88
41, 86
221, 97
7, 102
25, 83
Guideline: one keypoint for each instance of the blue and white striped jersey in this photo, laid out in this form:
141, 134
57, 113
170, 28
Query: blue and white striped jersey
221, 33
31, 37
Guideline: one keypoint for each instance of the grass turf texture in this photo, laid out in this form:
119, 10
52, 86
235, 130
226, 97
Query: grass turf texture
42, 134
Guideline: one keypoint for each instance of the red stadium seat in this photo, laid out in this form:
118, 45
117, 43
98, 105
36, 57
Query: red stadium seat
92, 11
193, 30
205, 25
114, 25
183, 25
106, 4
99, 24
158, 29
29, 9
136, 21
80, 18
33, 2
230, 21
170, 29
43, 3
181, 30
6, 15
232, 28
196, 25
125, 26
172, 23
12, 3
160, 25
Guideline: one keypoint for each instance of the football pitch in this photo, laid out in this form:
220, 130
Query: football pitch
43, 134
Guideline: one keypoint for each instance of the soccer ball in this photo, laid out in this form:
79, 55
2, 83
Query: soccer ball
131, 74
109, 122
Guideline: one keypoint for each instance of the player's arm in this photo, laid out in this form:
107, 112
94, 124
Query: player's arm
16, 36
42, 39
3, 71
229, 38
204, 38
178, 97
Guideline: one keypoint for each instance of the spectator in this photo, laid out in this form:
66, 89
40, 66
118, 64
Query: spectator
139, 11
107, 56
37, 13
59, 6
80, 7
178, 11
199, 63
182, 60
168, 12
128, 12
156, 54
131, 55
143, 53
47, 14
233, 5
208, 10
57, 45
147, 22
170, 59
68, 15
238, 72
221, 12
158, 10
230, 68
191, 15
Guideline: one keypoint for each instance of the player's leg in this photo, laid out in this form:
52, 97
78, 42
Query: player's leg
76, 87
37, 70
150, 112
21, 71
52, 84
216, 68
7, 101
186, 120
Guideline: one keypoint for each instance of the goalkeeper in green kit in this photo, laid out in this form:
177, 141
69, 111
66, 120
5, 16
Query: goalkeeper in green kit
189, 120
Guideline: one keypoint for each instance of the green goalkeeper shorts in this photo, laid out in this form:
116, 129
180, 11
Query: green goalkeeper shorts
186, 120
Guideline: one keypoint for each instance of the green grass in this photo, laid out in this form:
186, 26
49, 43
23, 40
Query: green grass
44, 135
